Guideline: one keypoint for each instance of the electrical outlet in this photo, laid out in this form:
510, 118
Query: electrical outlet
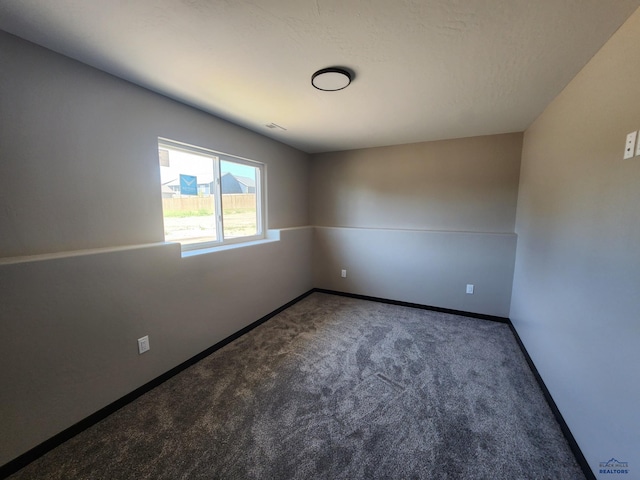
638, 149
630, 145
469, 289
143, 344
343, 273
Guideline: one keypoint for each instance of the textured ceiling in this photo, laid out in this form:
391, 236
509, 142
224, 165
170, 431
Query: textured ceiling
425, 69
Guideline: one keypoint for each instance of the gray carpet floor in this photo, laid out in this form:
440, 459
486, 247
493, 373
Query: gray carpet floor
335, 388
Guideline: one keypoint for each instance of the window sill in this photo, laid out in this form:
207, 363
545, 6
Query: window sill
272, 236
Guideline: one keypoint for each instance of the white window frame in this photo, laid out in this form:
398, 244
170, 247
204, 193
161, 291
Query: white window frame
217, 157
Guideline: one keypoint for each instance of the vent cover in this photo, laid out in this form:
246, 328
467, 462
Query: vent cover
275, 126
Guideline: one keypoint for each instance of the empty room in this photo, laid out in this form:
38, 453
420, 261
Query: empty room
319, 239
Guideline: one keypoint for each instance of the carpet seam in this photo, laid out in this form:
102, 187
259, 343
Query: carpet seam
564, 427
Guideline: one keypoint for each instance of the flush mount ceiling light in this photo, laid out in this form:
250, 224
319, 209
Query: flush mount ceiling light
331, 79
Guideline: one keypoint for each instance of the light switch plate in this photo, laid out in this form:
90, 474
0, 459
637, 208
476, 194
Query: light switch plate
630, 145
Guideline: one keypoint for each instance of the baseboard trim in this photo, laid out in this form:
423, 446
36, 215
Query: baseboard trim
462, 313
39, 450
575, 448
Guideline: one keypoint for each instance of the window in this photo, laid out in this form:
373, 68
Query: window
209, 198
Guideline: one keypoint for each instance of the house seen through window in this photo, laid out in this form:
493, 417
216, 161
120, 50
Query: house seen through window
209, 198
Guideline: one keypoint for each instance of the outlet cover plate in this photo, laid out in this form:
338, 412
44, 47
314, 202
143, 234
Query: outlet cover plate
143, 344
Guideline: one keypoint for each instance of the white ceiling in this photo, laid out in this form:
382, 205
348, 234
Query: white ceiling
425, 69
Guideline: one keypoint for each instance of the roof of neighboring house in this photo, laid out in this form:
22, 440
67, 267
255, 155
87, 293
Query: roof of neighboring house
249, 182
205, 179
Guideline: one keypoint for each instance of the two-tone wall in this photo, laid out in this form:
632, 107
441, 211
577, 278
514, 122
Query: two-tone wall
419, 222
576, 289
83, 270
79, 185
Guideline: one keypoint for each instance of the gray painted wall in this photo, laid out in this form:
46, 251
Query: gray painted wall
462, 185
78, 144
417, 266
418, 222
576, 300
79, 171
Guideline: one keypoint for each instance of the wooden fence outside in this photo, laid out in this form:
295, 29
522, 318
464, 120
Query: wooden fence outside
193, 203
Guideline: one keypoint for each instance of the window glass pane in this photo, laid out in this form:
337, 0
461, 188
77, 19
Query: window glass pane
188, 196
240, 187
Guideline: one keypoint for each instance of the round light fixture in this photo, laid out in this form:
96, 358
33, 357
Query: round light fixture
331, 79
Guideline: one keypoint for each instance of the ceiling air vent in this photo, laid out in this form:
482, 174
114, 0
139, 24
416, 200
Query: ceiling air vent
275, 126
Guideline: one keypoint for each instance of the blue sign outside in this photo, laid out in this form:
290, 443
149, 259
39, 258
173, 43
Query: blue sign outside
188, 185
